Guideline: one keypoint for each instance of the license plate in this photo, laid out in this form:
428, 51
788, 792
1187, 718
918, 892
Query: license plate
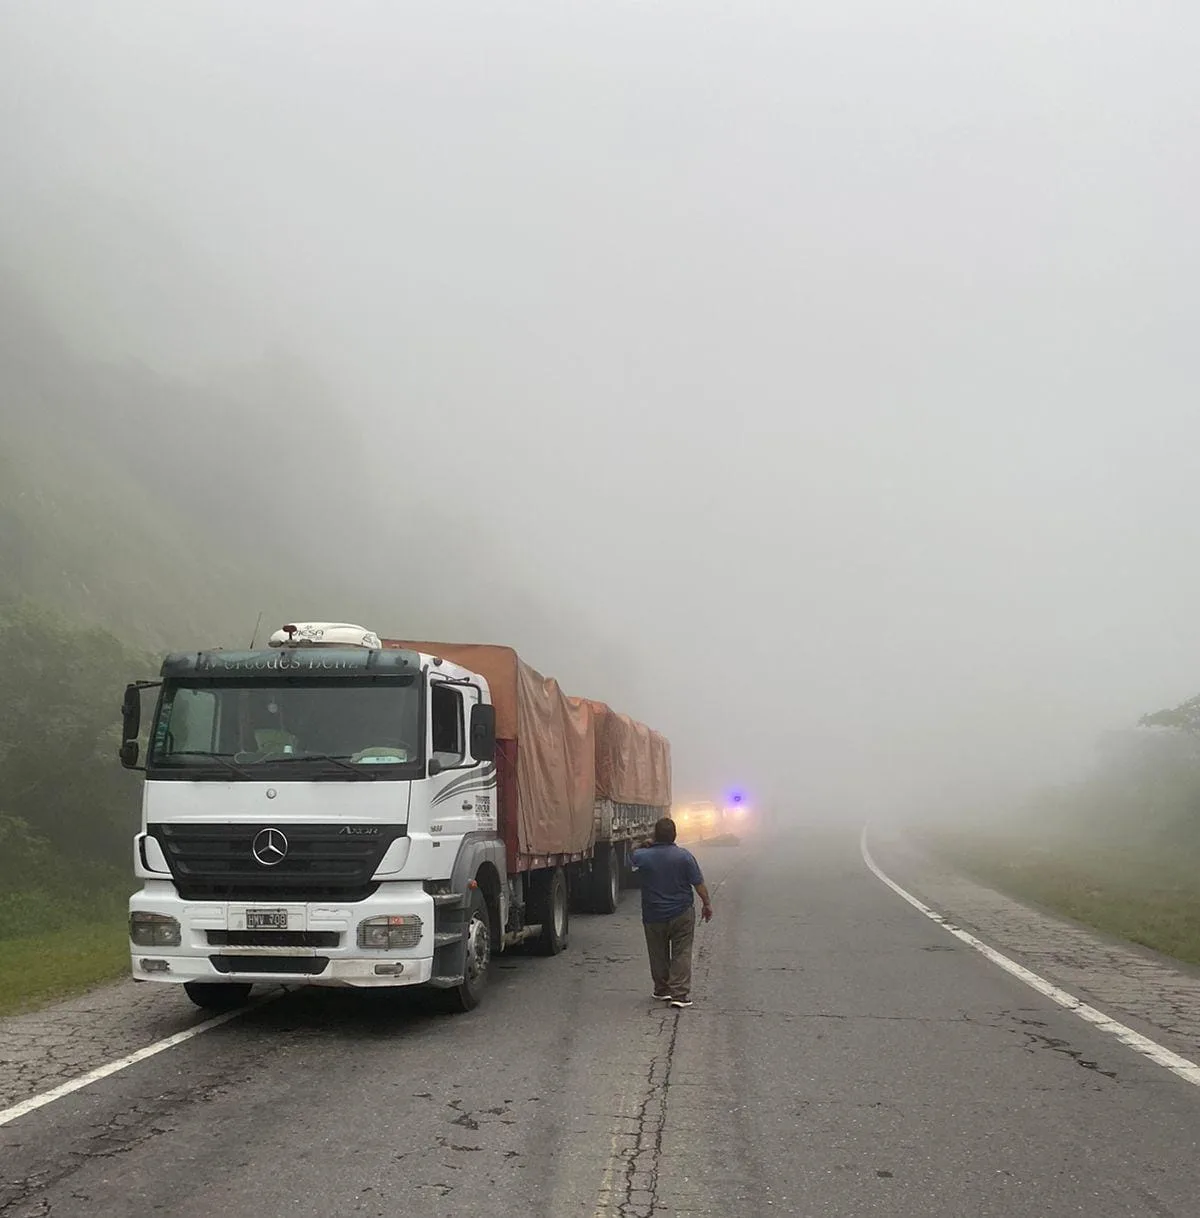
266, 919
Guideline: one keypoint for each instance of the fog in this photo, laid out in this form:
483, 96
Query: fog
816, 382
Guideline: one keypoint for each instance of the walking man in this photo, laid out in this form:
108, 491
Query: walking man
669, 873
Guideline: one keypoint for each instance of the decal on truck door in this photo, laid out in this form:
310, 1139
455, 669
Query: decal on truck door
467, 785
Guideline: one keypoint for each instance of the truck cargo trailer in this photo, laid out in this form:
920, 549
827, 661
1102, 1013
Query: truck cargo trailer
342, 810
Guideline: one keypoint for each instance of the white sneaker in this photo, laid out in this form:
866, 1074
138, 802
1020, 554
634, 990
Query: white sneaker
680, 1003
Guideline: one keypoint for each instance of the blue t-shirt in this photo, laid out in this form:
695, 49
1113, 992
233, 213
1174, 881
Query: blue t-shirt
668, 875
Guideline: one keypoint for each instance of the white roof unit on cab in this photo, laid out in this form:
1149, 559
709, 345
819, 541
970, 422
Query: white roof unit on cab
324, 634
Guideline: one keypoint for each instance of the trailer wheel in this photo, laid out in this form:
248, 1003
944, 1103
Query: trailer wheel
550, 909
217, 995
606, 880
477, 955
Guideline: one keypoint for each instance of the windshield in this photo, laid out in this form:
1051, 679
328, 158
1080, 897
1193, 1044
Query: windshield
290, 729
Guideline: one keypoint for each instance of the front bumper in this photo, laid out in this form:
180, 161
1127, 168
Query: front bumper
322, 947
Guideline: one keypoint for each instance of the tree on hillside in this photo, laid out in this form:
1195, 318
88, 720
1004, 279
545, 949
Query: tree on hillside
1185, 717
1146, 781
59, 730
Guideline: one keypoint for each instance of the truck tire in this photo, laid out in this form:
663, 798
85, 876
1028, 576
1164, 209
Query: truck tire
477, 955
551, 910
217, 995
606, 880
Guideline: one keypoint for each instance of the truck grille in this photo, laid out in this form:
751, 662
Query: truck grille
308, 966
274, 938
320, 862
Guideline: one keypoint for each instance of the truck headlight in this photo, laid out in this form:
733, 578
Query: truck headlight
390, 931
154, 930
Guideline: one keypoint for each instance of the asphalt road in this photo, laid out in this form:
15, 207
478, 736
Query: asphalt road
845, 1057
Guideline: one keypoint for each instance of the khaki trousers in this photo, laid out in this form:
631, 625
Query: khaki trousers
669, 945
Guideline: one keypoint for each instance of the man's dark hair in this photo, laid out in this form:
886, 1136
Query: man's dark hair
664, 831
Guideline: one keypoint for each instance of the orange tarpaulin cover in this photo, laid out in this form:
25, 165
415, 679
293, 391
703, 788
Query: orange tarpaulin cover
633, 763
555, 738
662, 770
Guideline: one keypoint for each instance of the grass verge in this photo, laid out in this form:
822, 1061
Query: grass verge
1142, 892
60, 938
42, 968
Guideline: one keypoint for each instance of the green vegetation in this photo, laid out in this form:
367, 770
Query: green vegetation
61, 792
1136, 892
1119, 850
87, 945
137, 513
68, 812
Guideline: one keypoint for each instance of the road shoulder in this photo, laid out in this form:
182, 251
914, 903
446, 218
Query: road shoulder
1155, 995
41, 1049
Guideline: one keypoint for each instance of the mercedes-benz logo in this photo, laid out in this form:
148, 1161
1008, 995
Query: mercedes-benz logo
269, 847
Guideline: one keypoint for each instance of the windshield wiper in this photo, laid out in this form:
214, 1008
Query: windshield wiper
357, 770
231, 766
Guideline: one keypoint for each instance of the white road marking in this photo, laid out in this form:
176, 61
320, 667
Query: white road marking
94, 1076
1187, 1070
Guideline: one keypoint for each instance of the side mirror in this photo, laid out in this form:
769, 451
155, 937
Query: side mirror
129, 754
483, 732
435, 767
131, 713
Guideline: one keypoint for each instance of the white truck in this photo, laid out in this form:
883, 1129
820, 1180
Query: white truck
341, 810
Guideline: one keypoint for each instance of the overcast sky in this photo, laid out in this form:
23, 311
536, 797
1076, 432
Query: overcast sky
837, 360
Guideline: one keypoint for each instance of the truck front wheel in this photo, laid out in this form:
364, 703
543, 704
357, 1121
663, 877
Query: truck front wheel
477, 955
217, 995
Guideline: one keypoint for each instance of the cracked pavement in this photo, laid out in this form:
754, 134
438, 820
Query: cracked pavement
845, 1057
44, 1048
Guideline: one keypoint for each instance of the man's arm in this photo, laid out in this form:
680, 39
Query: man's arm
696, 877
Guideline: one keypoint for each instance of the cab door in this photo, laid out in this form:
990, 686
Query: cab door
462, 788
